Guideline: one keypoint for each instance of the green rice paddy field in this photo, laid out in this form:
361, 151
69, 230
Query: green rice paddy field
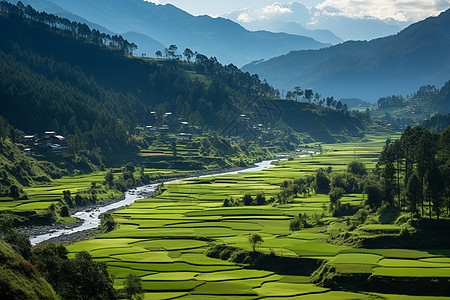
40, 197
163, 239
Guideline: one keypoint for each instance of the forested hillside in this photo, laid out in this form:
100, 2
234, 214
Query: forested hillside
368, 70
94, 93
168, 24
414, 109
62, 76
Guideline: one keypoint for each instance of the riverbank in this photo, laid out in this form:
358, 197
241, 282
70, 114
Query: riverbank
89, 216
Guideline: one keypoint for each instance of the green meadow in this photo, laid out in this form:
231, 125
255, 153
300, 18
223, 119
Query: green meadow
163, 239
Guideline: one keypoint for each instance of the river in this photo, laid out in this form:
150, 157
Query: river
90, 218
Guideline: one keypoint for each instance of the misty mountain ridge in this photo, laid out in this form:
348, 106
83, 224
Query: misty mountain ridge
52, 8
398, 64
321, 35
313, 19
167, 25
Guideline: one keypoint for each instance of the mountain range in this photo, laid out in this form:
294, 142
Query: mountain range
150, 26
321, 35
331, 22
397, 64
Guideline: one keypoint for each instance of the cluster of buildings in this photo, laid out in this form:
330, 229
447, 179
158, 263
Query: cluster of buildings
170, 124
49, 143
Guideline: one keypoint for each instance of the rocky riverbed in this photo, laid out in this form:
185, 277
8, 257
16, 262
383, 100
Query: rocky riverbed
89, 216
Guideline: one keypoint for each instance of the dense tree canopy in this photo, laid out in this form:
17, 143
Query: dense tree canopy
415, 169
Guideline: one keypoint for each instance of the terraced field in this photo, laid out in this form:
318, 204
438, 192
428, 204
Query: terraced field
41, 197
163, 239
165, 150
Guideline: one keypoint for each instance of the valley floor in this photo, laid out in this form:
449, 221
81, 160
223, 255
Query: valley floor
163, 240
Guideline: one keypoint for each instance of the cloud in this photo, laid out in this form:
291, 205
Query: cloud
244, 18
400, 10
274, 10
153, 1
270, 12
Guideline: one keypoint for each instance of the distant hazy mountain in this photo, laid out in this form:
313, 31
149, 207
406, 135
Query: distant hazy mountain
323, 36
146, 44
52, 8
218, 37
418, 55
278, 15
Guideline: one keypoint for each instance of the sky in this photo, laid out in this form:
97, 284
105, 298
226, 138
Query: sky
400, 10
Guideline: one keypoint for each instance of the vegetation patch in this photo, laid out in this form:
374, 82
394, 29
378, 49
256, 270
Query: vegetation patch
282, 289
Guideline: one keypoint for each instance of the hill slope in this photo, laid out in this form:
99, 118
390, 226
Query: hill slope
422, 105
418, 55
19, 279
96, 96
167, 24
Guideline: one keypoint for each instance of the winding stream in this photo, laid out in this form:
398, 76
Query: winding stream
90, 218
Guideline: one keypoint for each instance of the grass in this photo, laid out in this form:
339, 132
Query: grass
163, 239
232, 275
412, 272
400, 263
356, 258
283, 289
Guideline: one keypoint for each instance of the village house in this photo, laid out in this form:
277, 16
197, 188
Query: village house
51, 142
186, 136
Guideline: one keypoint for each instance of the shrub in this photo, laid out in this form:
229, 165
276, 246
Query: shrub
371, 220
336, 194
361, 216
247, 199
402, 220
230, 202
298, 222
374, 195
254, 239
64, 212
295, 224
260, 199
322, 182
133, 287
107, 222
357, 168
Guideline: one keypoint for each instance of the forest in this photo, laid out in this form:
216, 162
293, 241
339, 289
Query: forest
56, 75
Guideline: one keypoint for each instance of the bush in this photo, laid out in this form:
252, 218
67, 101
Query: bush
374, 195
298, 222
133, 287
247, 199
20, 242
336, 194
404, 232
14, 192
295, 224
357, 168
372, 220
107, 222
322, 182
230, 202
64, 212
254, 239
402, 220
361, 216
260, 199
